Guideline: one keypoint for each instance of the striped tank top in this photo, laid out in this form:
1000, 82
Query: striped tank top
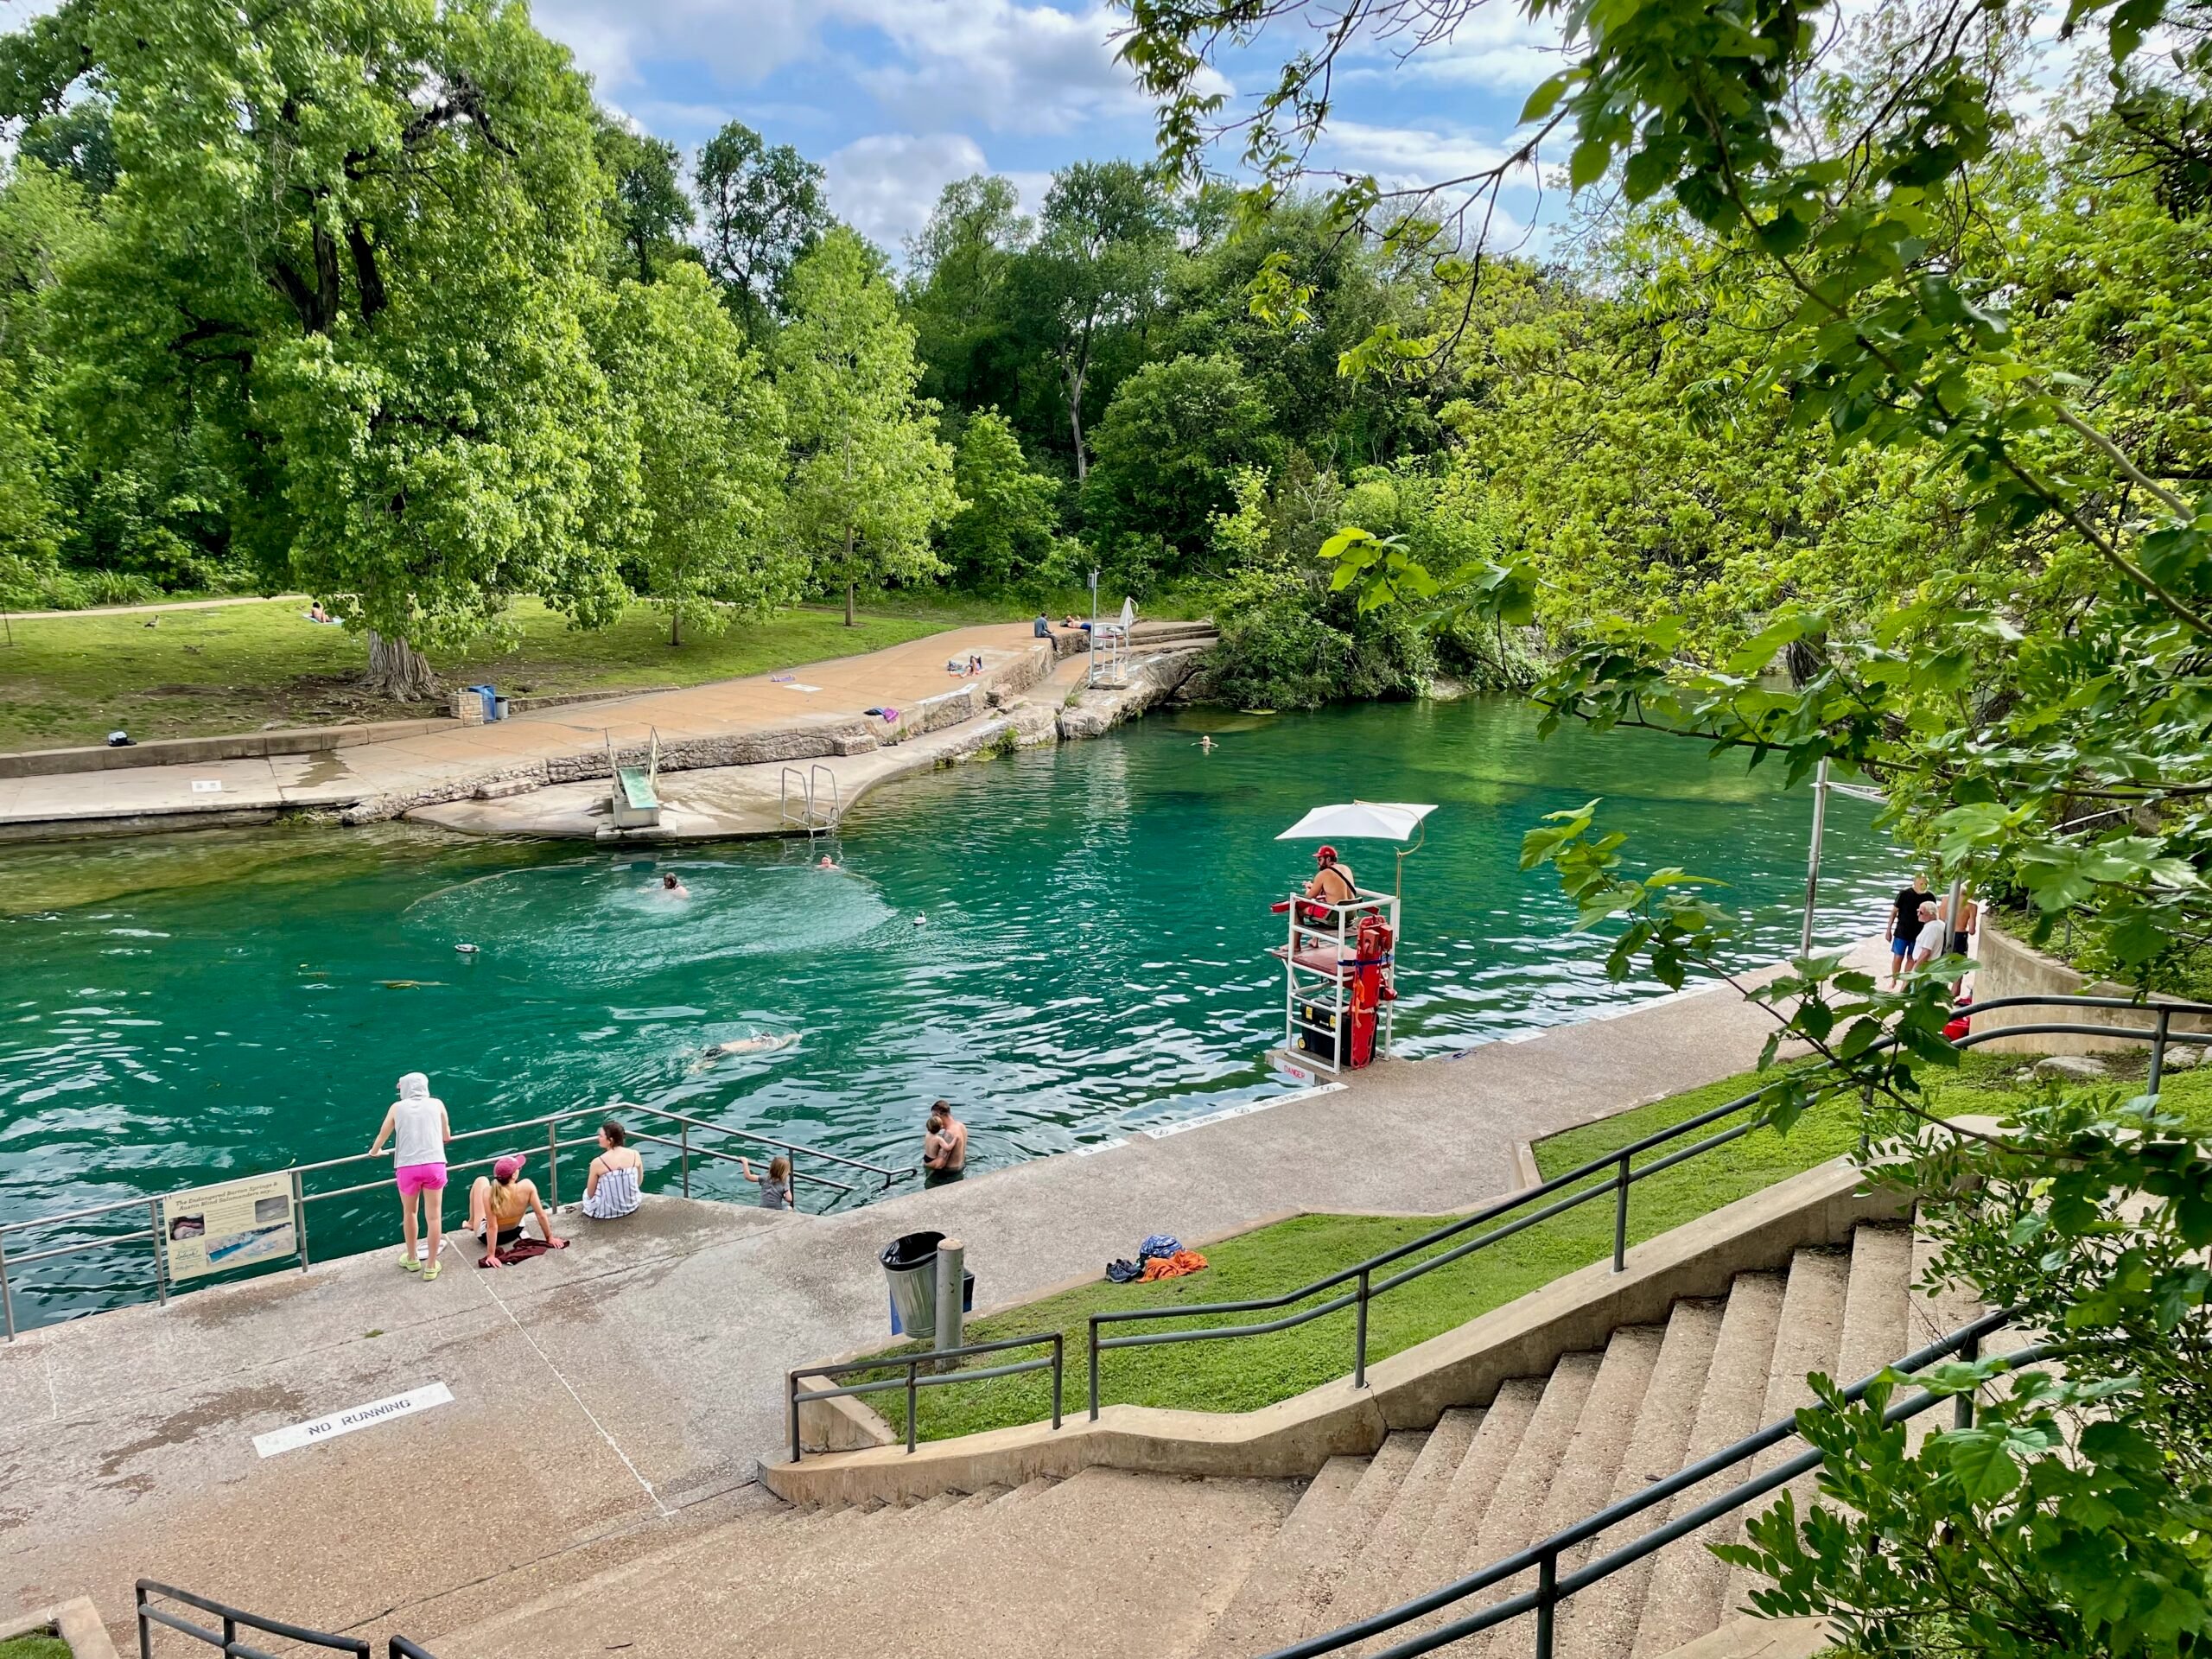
617, 1195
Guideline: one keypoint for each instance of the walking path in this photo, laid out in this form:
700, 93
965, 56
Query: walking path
814, 711
161, 605
624, 1389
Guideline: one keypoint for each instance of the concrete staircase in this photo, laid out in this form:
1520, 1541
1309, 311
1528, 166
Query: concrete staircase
1109, 1562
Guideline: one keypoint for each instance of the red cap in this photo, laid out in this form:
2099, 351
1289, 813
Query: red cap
508, 1167
1325, 851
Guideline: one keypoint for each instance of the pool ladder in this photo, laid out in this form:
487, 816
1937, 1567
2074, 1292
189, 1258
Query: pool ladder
803, 808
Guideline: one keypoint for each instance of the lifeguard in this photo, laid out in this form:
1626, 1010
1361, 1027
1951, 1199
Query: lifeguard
1332, 883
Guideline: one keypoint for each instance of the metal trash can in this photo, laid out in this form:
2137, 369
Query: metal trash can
910, 1264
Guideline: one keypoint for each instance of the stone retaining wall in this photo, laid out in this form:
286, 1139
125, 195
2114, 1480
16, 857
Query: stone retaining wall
2008, 967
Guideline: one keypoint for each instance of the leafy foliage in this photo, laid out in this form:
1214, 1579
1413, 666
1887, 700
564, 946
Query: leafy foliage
1004, 530
761, 209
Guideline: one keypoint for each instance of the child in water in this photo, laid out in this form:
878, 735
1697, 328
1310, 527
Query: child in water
775, 1186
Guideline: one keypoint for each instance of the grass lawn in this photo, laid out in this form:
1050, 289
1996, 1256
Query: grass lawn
37, 1645
72, 680
1244, 1374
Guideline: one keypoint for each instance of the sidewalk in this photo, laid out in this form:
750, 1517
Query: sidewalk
628, 1386
374, 780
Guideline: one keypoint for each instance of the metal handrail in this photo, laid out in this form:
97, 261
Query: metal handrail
553, 1145
795, 1396
1620, 1174
1543, 1555
227, 1637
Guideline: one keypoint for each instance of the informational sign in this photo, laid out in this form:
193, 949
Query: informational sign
345, 1422
232, 1224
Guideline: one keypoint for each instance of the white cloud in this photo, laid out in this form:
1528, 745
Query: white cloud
1404, 157
884, 185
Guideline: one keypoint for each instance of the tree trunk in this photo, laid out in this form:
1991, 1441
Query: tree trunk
1075, 423
399, 671
851, 619
676, 625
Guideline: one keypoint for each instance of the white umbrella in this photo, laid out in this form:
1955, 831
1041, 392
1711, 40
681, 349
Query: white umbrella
1365, 821
1358, 821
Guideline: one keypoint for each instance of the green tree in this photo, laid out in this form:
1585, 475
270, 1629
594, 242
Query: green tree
645, 202
350, 243
1095, 273
763, 209
869, 480
79, 140
1004, 530
709, 432
1172, 438
968, 329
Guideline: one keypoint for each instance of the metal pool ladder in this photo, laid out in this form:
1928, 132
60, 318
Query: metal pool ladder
810, 807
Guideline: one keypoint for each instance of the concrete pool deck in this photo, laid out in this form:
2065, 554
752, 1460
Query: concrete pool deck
379, 779
607, 1398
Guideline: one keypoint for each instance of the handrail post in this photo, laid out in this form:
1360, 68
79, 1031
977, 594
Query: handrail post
1058, 1349
1620, 1215
7, 1295
1359, 1337
686, 1158
299, 1215
553, 1163
145, 1631
790, 1399
1094, 1368
1546, 1602
912, 1366
1962, 1407
2158, 1050
161, 1278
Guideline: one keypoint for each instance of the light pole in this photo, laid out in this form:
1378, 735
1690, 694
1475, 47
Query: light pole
1813, 859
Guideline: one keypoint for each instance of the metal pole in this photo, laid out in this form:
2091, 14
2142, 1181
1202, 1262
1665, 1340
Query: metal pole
6, 1296
553, 1164
160, 1279
1094, 1370
299, 1216
951, 1256
912, 1366
1359, 1337
1962, 1407
2159, 1051
1546, 1603
687, 1161
1620, 1215
145, 1632
1059, 1349
1813, 859
790, 1399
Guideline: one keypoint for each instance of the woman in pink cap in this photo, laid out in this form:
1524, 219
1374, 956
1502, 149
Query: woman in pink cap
497, 1203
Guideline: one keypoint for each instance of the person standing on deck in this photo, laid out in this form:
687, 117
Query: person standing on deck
1903, 925
418, 1158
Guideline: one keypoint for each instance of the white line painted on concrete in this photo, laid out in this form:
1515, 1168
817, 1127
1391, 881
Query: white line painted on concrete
1162, 1131
613, 1445
330, 1427
206, 786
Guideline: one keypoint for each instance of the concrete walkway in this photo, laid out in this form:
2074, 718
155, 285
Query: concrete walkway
627, 1388
813, 710
160, 605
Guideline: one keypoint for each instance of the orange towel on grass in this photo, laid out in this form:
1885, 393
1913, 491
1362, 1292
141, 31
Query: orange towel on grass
1173, 1267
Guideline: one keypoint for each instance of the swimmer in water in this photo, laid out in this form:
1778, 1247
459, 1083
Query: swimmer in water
753, 1045
828, 864
1206, 744
672, 889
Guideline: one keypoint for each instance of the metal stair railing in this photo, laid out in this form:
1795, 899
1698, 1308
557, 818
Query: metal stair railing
150, 1591
1618, 1172
1544, 1554
911, 1364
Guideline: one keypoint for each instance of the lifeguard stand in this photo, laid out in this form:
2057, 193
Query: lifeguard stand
1327, 984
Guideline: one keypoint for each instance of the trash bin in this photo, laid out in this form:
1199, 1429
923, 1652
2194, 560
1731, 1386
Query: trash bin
910, 1265
501, 709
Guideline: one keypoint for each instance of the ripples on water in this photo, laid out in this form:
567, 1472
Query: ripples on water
1089, 959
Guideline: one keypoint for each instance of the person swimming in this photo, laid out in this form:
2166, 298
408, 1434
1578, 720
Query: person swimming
1206, 744
757, 1044
672, 889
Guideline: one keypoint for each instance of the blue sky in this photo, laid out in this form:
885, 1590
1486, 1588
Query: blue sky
895, 98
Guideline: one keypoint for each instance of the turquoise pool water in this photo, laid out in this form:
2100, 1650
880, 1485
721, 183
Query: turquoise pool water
1089, 959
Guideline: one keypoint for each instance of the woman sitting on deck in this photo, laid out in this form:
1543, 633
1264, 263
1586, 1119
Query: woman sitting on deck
496, 1204
611, 1185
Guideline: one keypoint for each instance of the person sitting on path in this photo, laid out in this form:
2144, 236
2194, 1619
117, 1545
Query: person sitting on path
496, 1204
775, 1186
1904, 926
1041, 628
418, 1158
944, 1147
611, 1184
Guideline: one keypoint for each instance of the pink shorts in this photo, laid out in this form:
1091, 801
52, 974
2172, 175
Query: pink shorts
421, 1178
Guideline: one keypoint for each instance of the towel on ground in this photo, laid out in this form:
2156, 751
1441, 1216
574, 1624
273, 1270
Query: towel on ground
524, 1251
1173, 1267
